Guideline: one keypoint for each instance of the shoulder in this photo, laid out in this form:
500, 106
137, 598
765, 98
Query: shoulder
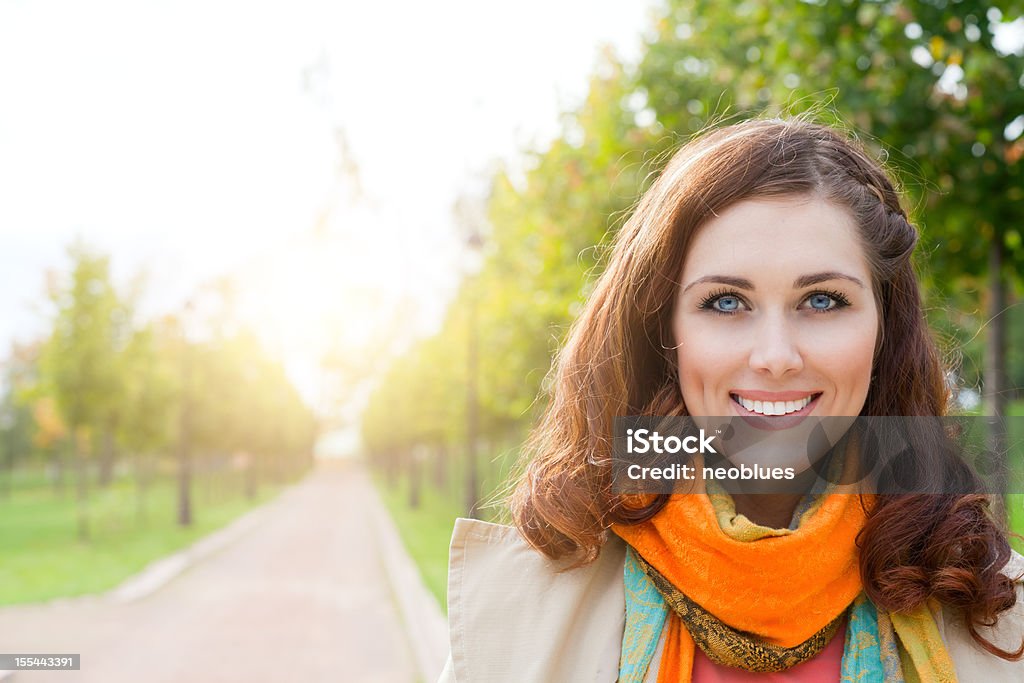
493, 564
1015, 567
499, 551
974, 663
516, 614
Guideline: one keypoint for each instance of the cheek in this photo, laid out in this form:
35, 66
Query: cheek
846, 352
704, 361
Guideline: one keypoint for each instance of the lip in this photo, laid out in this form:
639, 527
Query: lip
774, 422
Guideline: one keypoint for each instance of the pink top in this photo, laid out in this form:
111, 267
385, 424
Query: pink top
825, 667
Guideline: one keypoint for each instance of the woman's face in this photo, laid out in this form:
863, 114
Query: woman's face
775, 314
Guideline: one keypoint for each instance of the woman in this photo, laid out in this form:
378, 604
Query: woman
767, 272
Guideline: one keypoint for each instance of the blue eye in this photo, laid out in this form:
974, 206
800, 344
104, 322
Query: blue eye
825, 302
726, 304
722, 302
821, 302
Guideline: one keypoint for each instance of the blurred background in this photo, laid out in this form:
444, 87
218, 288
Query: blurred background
307, 264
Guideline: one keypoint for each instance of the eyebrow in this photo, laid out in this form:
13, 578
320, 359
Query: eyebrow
800, 282
815, 278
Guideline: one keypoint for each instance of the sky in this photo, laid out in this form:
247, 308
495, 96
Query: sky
311, 150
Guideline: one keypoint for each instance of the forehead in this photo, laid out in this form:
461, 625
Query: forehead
785, 237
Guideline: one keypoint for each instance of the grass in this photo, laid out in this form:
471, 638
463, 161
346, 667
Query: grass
43, 558
1015, 512
426, 531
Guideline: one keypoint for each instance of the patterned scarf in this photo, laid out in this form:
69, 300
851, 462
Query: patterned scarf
764, 599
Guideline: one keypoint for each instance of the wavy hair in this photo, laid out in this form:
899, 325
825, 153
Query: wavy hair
619, 360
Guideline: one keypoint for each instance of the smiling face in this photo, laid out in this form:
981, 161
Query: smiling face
775, 314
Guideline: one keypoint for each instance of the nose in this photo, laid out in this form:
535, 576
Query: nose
775, 346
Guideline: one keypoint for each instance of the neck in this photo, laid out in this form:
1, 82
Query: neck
771, 510
764, 504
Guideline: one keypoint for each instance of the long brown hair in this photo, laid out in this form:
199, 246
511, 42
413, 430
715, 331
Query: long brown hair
619, 360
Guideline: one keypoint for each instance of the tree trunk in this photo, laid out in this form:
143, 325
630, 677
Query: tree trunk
184, 446
108, 457
391, 462
251, 478
5, 489
415, 477
995, 369
139, 462
82, 485
441, 468
57, 467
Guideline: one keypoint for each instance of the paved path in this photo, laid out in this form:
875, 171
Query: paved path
301, 595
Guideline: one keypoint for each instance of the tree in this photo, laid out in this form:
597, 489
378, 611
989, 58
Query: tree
151, 392
79, 359
17, 428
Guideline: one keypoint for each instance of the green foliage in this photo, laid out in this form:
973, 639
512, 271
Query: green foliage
79, 363
921, 78
17, 426
151, 393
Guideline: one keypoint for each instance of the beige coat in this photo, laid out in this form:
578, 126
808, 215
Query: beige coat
513, 617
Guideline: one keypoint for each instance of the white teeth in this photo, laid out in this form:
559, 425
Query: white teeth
773, 407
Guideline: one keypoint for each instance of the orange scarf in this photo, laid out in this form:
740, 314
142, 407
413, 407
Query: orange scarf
783, 587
